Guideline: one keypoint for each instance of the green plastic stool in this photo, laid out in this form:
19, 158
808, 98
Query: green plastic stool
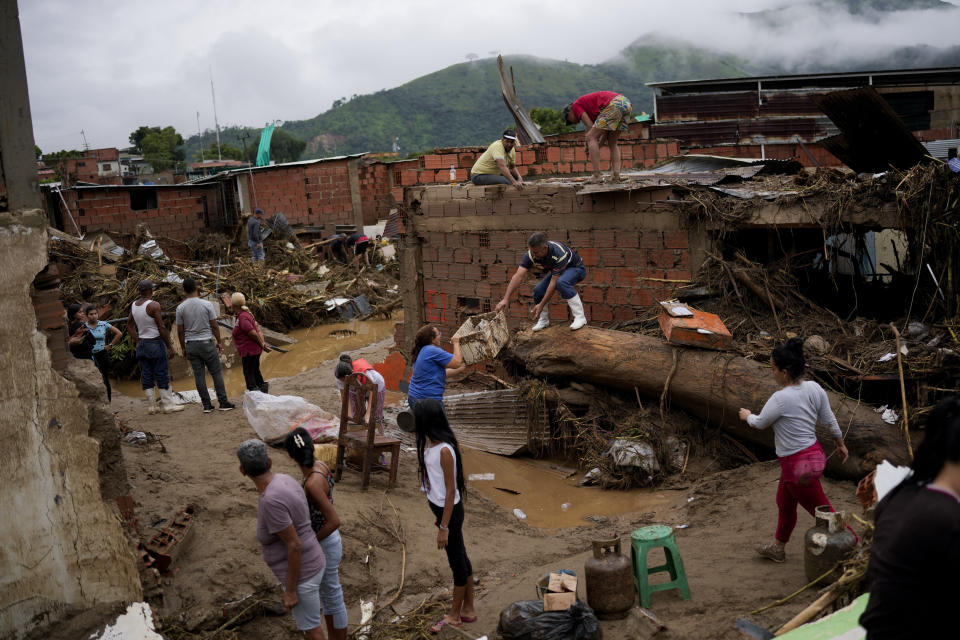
645, 539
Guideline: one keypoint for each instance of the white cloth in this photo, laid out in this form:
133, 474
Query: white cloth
794, 412
436, 488
374, 377
146, 326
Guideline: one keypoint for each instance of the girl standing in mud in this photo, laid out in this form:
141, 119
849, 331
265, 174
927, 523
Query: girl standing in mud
793, 412
318, 485
441, 477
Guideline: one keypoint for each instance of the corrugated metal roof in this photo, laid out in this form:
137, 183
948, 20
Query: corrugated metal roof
891, 77
939, 148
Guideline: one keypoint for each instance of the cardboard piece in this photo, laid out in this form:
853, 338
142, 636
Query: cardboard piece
561, 592
559, 601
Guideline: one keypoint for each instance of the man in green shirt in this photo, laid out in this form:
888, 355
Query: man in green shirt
497, 165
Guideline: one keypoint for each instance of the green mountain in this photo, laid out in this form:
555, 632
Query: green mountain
461, 105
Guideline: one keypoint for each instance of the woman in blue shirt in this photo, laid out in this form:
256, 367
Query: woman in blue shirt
431, 365
101, 348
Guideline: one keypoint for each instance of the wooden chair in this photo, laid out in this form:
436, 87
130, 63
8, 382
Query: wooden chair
370, 443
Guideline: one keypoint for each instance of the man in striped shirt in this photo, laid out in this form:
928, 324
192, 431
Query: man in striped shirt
563, 268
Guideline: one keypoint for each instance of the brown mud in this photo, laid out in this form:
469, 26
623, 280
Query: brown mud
729, 513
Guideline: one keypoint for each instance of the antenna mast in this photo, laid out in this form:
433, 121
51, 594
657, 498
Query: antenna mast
200, 135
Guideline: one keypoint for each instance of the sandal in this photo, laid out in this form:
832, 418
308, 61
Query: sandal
443, 623
468, 620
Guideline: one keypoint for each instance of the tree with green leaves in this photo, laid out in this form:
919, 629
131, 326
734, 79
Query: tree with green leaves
37, 153
160, 147
550, 121
227, 152
136, 138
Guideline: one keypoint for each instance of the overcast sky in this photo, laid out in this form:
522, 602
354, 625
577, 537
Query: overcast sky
108, 67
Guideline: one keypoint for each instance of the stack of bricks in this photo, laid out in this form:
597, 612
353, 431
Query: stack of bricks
557, 157
635, 250
179, 213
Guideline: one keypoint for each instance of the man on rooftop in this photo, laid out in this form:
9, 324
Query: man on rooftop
563, 268
604, 115
497, 165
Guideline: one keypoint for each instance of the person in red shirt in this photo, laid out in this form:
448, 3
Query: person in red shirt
604, 115
248, 339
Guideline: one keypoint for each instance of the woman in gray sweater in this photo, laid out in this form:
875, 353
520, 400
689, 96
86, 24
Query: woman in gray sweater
793, 412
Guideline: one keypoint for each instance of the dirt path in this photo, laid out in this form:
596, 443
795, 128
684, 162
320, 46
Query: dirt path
729, 513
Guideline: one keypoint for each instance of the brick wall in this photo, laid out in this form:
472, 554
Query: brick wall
178, 215
472, 238
376, 194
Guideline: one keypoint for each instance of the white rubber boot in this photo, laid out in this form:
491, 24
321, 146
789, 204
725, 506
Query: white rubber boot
576, 307
544, 320
167, 403
151, 401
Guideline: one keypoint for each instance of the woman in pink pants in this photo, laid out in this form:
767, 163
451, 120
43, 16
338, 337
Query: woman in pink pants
793, 412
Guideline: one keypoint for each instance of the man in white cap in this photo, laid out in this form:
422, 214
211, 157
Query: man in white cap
151, 341
498, 164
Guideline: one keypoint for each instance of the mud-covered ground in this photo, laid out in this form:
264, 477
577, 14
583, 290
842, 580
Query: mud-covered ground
727, 512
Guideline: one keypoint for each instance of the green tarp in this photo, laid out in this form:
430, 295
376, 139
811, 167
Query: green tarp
841, 625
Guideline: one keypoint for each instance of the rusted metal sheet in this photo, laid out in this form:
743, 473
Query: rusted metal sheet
770, 130
789, 103
873, 137
699, 107
527, 130
699, 133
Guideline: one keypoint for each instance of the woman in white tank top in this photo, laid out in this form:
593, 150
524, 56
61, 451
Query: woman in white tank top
441, 477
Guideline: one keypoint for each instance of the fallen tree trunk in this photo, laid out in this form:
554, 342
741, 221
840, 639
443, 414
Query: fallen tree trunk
710, 384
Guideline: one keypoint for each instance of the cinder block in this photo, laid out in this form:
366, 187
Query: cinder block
660, 258
604, 238
600, 313
675, 240
579, 239
651, 240
589, 255
591, 294
634, 257
519, 205
463, 255
626, 277
619, 295
599, 275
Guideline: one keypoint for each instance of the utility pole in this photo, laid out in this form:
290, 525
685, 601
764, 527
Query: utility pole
200, 136
215, 123
243, 141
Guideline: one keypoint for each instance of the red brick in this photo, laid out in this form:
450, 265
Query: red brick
563, 167
662, 258
440, 269
611, 257
643, 298
553, 154
676, 240
604, 238
600, 313
592, 294
651, 240
589, 256
619, 295
622, 314
627, 240
600, 276
626, 277
579, 239
462, 255
678, 274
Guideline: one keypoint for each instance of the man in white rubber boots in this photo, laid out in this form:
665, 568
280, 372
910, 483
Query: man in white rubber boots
152, 342
563, 268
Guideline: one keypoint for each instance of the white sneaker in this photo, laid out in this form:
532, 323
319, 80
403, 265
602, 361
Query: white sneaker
544, 320
576, 307
167, 403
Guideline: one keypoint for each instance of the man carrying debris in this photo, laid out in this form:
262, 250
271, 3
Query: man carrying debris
199, 336
359, 242
563, 267
255, 235
604, 115
151, 341
497, 165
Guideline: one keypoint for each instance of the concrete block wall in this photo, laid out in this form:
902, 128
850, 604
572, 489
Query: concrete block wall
637, 250
179, 212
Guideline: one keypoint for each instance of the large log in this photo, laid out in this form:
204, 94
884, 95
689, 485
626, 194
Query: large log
710, 384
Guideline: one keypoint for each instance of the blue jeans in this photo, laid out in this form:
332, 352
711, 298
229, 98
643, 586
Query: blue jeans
152, 356
308, 613
481, 179
331, 594
258, 254
568, 277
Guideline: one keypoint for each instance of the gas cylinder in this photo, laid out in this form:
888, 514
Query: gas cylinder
826, 543
609, 581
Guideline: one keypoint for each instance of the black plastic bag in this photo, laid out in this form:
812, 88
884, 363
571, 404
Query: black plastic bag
526, 620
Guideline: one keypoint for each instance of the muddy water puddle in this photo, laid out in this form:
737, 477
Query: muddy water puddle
543, 488
315, 345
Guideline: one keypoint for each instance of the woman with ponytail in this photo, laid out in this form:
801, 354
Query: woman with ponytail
915, 556
432, 364
441, 477
248, 339
793, 412
318, 485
